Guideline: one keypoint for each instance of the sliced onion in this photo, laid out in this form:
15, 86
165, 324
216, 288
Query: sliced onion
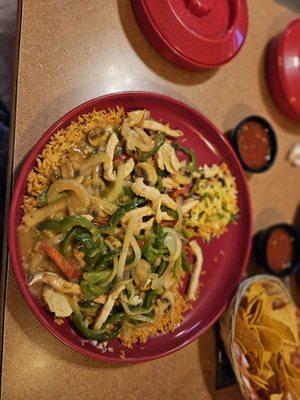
149, 170
173, 243
129, 312
117, 188
113, 274
68, 184
137, 253
95, 159
125, 282
35, 217
103, 205
169, 297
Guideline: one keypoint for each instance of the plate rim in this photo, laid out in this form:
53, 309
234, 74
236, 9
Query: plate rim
21, 180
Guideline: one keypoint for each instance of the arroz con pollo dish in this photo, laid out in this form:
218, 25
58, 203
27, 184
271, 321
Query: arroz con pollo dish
111, 217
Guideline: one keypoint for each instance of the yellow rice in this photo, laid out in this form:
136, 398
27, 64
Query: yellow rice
217, 205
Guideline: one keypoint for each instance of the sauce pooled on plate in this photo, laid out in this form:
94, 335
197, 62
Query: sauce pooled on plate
254, 144
280, 249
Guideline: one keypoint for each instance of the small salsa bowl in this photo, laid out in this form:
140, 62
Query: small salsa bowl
234, 137
262, 240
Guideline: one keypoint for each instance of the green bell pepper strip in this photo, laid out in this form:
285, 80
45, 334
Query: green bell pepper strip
130, 259
92, 291
68, 242
159, 232
178, 269
89, 247
149, 299
53, 225
159, 184
69, 222
169, 211
101, 334
186, 266
114, 319
159, 140
159, 291
104, 260
193, 162
43, 199
162, 267
115, 218
97, 277
149, 251
127, 191
88, 304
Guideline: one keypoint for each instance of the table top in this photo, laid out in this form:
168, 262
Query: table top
74, 50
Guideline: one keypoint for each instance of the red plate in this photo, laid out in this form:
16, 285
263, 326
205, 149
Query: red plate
194, 34
225, 259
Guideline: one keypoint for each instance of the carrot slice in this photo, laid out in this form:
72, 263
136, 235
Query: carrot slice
71, 272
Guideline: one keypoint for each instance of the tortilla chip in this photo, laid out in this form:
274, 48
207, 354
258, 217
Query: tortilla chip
287, 316
278, 396
266, 374
268, 302
269, 339
256, 313
286, 380
283, 331
245, 336
295, 383
260, 382
255, 290
293, 371
266, 357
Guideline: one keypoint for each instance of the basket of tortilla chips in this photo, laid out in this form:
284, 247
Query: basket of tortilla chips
261, 334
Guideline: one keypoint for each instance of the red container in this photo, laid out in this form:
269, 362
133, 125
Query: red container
194, 34
283, 70
225, 259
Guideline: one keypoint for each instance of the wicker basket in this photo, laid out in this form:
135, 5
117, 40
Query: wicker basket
228, 331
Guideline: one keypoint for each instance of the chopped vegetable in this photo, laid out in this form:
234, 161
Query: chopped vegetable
192, 165
116, 217
61, 262
97, 277
91, 291
94, 334
159, 140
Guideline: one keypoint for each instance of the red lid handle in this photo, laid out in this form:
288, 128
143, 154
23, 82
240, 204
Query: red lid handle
200, 7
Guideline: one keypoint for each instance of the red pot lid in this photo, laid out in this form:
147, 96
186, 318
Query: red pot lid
194, 34
289, 65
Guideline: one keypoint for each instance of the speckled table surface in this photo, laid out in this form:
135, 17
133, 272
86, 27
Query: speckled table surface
74, 50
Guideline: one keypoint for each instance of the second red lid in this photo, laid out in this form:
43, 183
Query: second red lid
194, 34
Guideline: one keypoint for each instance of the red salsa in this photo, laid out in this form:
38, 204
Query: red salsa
280, 249
254, 144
